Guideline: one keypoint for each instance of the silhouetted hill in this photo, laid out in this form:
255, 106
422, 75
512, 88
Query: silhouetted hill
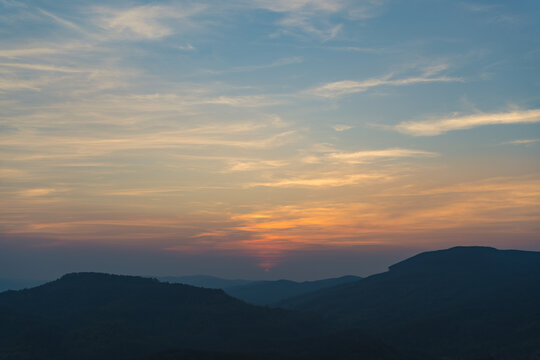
464, 302
206, 281
349, 344
271, 292
100, 316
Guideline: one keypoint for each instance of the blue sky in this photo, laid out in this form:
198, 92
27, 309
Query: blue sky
267, 131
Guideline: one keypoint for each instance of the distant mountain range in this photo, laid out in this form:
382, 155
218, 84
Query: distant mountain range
261, 292
210, 282
464, 303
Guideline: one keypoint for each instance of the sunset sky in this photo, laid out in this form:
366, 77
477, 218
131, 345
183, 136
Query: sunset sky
264, 139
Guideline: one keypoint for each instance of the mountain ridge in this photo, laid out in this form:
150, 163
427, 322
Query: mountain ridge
260, 292
481, 298
461, 303
96, 315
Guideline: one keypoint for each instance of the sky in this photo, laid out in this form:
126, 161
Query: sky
266, 139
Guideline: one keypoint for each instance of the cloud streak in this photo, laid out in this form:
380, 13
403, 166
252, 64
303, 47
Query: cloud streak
40, 67
77, 147
522, 141
341, 127
372, 155
329, 181
146, 22
311, 17
274, 64
346, 87
441, 126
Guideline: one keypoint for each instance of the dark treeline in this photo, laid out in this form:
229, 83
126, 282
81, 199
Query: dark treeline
461, 303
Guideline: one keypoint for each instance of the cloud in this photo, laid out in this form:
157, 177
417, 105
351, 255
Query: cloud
187, 47
241, 101
487, 204
17, 85
495, 13
475, 7
41, 146
40, 67
274, 64
58, 68
522, 141
371, 155
328, 181
311, 17
254, 165
23, 52
12, 174
341, 127
352, 9
305, 24
37, 192
345, 87
163, 102
13, 3
440, 126
149, 22
297, 5
61, 21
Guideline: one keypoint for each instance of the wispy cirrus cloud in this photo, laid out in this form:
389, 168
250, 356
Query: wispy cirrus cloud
297, 5
311, 17
69, 24
8, 85
522, 141
341, 127
345, 87
331, 180
441, 126
332, 156
492, 201
274, 64
42, 67
37, 192
179, 101
23, 52
254, 165
372, 155
148, 22
37, 51
332, 168
496, 13
88, 147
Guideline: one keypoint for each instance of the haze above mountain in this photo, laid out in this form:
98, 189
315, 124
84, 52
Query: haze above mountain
19, 284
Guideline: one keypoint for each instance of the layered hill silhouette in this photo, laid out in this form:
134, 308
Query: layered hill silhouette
272, 292
261, 292
464, 302
206, 281
101, 316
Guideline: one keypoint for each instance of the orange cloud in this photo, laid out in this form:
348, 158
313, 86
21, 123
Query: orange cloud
268, 233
